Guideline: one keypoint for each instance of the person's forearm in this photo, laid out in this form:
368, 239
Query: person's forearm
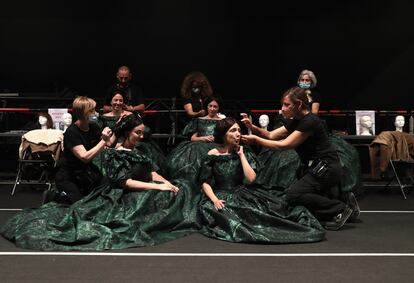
269, 143
157, 177
208, 190
248, 171
259, 131
87, 156
139, 108
139, 185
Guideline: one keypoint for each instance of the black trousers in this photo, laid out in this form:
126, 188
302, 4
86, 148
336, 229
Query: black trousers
315, 192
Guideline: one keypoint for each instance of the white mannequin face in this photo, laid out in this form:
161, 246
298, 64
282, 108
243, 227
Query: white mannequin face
67, 119
42, 120
263, 121
366, 121
399, 121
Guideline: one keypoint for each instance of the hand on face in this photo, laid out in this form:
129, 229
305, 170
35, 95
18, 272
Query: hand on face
249, 139
246, 121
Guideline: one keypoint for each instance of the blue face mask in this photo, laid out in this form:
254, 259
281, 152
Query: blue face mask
93, 118
304, 85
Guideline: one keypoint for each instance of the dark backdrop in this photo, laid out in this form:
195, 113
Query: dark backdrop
362, 52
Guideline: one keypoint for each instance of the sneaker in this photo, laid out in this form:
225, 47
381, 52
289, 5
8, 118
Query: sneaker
339, 220
353, 204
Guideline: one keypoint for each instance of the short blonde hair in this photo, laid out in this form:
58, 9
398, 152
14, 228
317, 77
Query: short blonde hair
311, 76
81, 106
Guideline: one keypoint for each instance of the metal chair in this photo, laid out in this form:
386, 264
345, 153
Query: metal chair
39, 152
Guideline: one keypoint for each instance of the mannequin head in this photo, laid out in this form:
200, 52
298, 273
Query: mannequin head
365, 123
45, 120
399, 123
67, 119
263, 121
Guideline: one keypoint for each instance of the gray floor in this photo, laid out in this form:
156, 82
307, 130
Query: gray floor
378, 249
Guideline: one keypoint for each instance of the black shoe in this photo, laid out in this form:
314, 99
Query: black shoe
353, 204
339, 220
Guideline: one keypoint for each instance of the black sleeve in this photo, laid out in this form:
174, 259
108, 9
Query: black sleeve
72, 138
307, 125
316, 97
138, 96
107, 99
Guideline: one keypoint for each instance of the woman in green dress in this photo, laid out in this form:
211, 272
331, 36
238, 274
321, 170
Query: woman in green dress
185, 160
147, 146
232, 210
136, 207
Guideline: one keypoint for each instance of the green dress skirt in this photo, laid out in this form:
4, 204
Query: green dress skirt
280, 167
184, 161
251, 214
110, 217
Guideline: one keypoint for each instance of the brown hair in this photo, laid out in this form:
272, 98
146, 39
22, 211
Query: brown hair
81, 105
199, 79
297, 94
49, 123
222, 127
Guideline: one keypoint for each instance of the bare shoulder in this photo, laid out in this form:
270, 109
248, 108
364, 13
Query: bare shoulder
213, 151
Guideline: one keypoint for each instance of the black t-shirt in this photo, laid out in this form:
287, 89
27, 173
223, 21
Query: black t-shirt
74, 136
317, 145
133, 94
196, 103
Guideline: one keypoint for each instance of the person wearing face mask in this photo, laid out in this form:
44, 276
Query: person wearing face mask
136, 207
321, 165
235, 209
83, 140
195, 88
307, 80
399, 123
134, 100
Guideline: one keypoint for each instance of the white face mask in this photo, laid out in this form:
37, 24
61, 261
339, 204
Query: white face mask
42, 121
399, 122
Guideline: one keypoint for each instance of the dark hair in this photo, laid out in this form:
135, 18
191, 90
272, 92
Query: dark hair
196, 78
210, 99
115, 92
126, 124
297, 94
222, 127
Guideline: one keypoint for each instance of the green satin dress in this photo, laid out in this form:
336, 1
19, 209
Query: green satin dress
251, 214
110, 217
185, 160
280, 167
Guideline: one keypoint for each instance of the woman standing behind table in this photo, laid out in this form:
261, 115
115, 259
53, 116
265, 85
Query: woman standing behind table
195, 89
136, 207
322, 169
83, 141
231, 210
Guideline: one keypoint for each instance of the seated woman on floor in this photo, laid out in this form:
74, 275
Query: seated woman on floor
135, 207
185, 160
147, 146
233, 211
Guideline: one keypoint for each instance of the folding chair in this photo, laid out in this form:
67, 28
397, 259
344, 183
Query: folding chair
402, 171
39, 152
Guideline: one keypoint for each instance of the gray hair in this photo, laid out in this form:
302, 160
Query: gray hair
311, 76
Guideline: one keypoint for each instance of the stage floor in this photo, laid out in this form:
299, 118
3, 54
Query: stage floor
380, 248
